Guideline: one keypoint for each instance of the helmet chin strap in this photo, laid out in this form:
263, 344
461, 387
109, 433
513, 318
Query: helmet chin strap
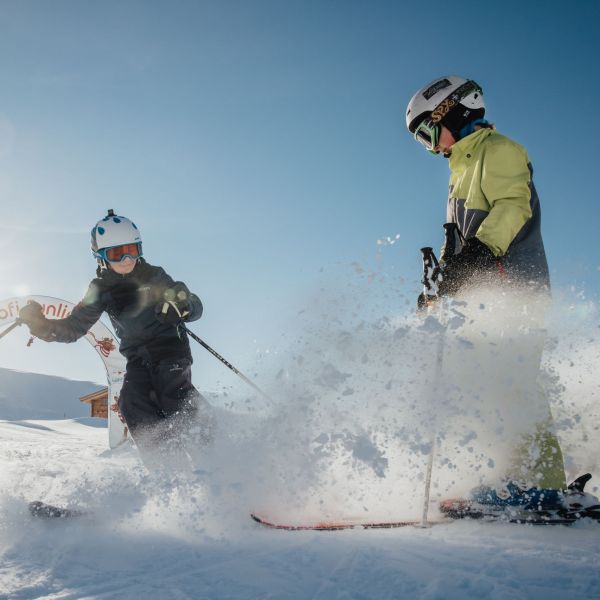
102, 266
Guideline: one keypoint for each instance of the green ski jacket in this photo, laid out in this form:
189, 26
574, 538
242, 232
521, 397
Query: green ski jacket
492, 197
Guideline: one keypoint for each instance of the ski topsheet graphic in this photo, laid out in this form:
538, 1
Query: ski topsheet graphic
337, 525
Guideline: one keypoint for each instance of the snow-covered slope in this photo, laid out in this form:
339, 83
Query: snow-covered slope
151, 539
348, 433
33, 396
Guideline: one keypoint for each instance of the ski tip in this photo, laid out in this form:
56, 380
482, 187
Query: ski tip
311, 527
307, 527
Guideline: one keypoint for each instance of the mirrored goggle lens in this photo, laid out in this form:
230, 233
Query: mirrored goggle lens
427, 134
118, 253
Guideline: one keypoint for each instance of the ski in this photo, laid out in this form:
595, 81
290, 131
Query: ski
48, 511
341, 525
449, 516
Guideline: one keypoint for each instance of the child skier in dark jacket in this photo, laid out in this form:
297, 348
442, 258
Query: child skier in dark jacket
147, 308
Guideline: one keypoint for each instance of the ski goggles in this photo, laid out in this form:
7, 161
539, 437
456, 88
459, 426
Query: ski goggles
428, 134
119, 253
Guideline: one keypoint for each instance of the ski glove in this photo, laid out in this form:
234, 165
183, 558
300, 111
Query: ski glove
176, 306
475, 258
32, 315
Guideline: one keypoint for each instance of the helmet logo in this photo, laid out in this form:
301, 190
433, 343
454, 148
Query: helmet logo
446, 105
435, 88
443, 109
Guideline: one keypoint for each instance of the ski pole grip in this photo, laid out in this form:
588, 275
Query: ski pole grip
430, 262
429, 281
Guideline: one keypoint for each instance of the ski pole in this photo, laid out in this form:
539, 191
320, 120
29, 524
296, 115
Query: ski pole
439, 365
432, 277
225, 362
10, 328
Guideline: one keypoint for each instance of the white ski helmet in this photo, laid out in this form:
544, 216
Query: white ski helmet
451, 100
113, 231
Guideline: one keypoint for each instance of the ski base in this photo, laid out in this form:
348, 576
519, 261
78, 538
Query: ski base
48, 511
341, 525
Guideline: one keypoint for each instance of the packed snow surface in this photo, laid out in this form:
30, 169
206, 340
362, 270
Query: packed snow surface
146, 538
356, 408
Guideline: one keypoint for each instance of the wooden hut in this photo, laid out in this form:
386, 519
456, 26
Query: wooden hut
98, 402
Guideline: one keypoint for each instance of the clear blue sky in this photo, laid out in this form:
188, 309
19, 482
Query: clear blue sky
260, 145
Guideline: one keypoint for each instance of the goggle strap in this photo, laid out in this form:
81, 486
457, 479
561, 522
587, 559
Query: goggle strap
446, 105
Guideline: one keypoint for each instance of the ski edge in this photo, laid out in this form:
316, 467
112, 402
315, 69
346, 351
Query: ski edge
340, 526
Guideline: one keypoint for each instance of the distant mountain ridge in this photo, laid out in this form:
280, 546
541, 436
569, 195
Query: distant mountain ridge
34, 396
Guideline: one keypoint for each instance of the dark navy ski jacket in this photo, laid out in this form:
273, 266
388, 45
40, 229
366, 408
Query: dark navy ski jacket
130, 302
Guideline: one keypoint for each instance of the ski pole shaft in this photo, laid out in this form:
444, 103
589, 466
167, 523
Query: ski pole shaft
10, 328
432, 277
424, 521
226, 363
436, 389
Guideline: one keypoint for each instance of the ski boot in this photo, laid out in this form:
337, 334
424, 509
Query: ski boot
510, 502
518, 504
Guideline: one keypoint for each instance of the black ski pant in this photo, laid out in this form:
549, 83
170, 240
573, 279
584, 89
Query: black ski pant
159, 402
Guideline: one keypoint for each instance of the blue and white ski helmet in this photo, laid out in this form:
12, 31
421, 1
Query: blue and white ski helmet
114, 230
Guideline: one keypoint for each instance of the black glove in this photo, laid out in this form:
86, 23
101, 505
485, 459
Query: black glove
176, 305
475, 258
32, 315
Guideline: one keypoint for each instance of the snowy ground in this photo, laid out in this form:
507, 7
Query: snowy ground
133, 549
322, 450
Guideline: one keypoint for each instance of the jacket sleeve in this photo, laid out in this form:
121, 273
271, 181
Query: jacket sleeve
81, 319
505, 181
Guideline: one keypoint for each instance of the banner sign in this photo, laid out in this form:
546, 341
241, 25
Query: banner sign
101, 339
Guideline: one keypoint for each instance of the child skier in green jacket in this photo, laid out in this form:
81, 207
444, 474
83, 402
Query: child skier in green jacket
495, 207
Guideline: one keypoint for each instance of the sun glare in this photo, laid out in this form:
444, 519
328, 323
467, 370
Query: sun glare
22, 289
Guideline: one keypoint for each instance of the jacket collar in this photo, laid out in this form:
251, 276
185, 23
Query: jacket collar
468, 145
